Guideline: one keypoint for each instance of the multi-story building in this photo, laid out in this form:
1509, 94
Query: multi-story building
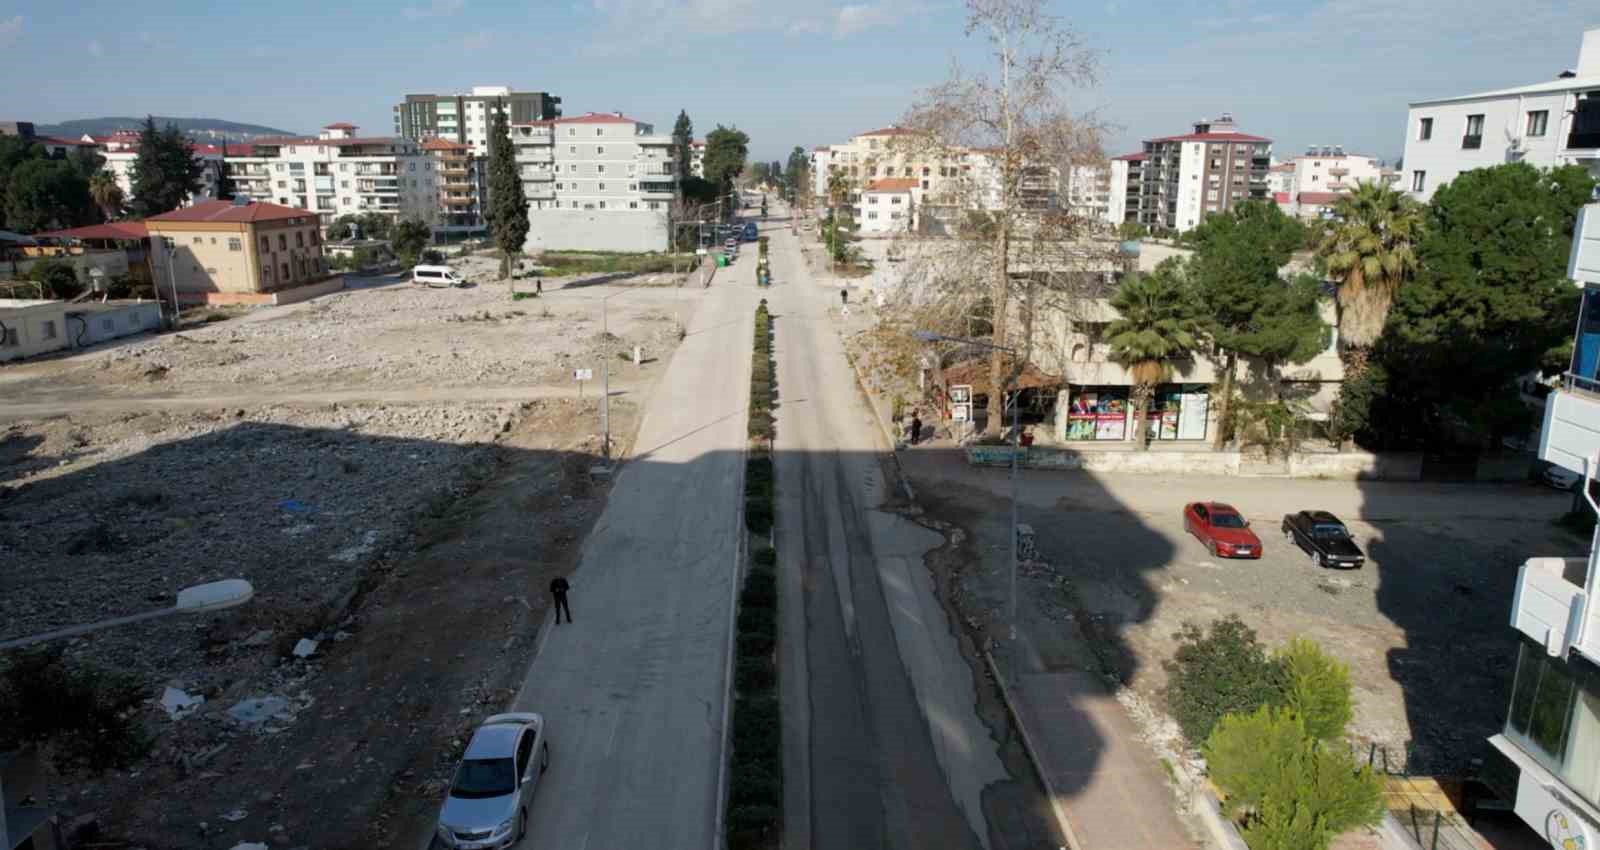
1307, 186
1551, 738
1122, 189
886, 206
1089, 191
339, 173
697, 158
121, 149
1181, 179
1545, 124
599, 181
463, 186
467, 118
235, 248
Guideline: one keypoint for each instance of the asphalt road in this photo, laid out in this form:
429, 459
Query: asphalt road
883, 746
634, 689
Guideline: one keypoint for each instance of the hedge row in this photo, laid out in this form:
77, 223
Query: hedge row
755, 789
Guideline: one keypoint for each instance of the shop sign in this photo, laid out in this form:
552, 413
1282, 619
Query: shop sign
960, 393
961, 413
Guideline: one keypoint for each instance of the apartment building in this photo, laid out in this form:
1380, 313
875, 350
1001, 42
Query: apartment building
339, 173
467, 118
463, 186
236, 248
1088, 192
1551, 738
697, 158
1307, 186
121, 149
886, 206
1556, 122
600, 181
1181, 179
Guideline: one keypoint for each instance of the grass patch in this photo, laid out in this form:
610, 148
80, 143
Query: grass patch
562, 263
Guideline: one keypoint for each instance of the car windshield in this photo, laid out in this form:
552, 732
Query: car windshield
1227, 520
478, 778
1329, 530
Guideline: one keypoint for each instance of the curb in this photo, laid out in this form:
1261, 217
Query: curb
1033, 756
884, 426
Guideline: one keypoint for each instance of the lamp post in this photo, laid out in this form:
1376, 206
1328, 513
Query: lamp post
171, 246
1016, 435
199, 599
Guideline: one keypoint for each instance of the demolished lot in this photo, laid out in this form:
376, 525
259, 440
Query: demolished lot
397, 551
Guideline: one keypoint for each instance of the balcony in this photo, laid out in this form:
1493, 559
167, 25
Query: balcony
1584, 142
1550, 606
368, 187
532, 134
541, 176
1471, 142
459, 201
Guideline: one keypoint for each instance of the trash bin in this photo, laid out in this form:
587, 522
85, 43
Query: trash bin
722, 260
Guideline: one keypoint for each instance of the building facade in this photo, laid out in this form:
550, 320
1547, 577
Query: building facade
697, 158
1181, 179
339, 173
599, 181
467, 118
236, 247
1307, 185
463, 186
1088, 191
1551, 738
121, 150
886, 206
1544, 124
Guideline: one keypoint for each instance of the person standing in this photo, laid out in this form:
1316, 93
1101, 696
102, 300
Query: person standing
844, 297
558, 595
916, 428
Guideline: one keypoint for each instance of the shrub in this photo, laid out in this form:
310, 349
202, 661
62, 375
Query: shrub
1225, 671
90, 714
766, 556
1316, 687
758, 621
754, 783
756, 643
755, 675
760, 589
59, 278
1290, 791
758, 516
756, 731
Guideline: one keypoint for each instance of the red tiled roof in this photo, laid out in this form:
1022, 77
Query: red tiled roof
1211, 137
1280, 197
229, 211
1319, 198
110, 230
893, 184
436, 144
893, 131
339, 126
334, 143
1130, 157
57, 140
598, 118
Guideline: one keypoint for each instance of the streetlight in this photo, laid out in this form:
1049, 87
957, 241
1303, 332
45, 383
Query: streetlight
1016, 435
171, 246
199, 599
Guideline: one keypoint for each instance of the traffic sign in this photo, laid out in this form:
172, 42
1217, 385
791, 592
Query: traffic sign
582, 374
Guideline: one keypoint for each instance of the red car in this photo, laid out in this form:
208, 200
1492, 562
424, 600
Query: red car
1224, 530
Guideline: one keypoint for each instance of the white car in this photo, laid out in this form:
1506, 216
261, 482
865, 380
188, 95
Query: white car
487, 808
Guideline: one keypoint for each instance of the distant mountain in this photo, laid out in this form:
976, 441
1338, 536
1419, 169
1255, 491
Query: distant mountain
202, 129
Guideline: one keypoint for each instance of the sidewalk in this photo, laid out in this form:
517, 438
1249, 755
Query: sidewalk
1107, 789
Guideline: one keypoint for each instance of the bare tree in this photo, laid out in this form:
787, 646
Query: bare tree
995, 144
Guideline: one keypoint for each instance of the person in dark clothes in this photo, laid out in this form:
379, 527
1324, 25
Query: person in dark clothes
916, 428
558, 593
538, 287
844, 296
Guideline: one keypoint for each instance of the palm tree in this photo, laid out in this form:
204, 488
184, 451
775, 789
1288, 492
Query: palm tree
1370, 251
839, 186
1156, 328
106, 193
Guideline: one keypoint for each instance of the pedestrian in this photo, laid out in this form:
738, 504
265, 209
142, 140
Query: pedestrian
844, 297
916, 428
558, 593
538, 287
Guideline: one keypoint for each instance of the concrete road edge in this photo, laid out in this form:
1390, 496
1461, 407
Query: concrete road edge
884, 426
1033, 755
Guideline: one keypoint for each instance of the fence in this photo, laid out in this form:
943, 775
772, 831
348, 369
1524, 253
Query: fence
1426, 808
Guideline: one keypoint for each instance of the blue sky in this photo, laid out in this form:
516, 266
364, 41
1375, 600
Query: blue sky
789, 73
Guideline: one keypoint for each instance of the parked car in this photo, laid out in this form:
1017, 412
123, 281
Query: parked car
751, 233
1560, 477
731, 246
1224, 530
1322, 536
487, 807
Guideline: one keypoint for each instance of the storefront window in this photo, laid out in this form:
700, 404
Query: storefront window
1177, 412
1555, 716
1098, 413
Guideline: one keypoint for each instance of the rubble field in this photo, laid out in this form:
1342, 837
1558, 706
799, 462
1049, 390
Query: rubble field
398, 555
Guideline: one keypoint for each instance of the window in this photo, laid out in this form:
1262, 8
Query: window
572, 149
633, 187
1555, 716
872, 214
1424, 129
344, 166
572, 131
599, 149
1537, 121
235, 243
602, 187
266, 244
1474, 135
1418, 179
199, 239
631, 170
599, 169
279, 168
47, 330
872, 199
108, 326
299, 240
602, 205
599, 131
572, 168
558, 187
895, 200
633, 205
655, 205
283, 242
283, 184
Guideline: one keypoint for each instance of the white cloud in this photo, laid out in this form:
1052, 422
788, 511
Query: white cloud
859, 18
725, 16
478, 41
95, 49
435, 9
10, 29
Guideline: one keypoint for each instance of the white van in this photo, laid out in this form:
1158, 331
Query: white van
437, 276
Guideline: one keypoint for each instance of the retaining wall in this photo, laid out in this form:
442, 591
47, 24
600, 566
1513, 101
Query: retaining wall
1399, 466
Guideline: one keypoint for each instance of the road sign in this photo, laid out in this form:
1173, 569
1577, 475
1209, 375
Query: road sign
961, 412
960, 393
582, 374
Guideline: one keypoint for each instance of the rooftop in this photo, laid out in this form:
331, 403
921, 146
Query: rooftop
110, 230
1560, 85
339, 125
1319, 197
892, 130
1129, 157
598, 118
1211, 137
443, 145
893, 184
229, 211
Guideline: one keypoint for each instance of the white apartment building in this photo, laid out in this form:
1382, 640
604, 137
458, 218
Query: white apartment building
1181, 179
886, 206
1551, 738
1546, 124
1122, 189
697, 158
340, 173
1308, 185
596, 182
121, 149
468, 118
1089, 191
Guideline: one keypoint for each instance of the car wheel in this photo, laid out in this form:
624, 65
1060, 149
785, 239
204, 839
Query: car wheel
544, 757
1316, 559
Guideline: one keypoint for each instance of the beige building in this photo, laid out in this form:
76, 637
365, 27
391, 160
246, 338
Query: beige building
242, 247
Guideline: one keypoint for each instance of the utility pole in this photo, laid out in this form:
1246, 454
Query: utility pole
171, 247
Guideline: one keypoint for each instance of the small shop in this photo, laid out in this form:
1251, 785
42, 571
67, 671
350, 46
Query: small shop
1105, 413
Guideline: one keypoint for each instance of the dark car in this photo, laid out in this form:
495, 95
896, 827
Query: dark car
1224, 530
1322, 536
750, 232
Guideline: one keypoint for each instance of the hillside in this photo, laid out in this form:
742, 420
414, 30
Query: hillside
204, 129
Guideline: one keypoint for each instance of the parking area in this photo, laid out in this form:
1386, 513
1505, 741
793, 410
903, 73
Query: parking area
1423, 625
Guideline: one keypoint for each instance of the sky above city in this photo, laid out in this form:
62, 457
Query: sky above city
1302, 72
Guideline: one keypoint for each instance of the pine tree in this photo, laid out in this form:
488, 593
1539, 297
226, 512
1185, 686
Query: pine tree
682, 136
508, 206
165, 174
225, 187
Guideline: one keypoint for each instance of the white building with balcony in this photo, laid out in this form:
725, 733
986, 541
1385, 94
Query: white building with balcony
1546, 124
340, 173
121, 150
1551, 737
886, 207
596, 182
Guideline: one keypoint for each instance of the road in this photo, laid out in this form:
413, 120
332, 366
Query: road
883, 745
634, 689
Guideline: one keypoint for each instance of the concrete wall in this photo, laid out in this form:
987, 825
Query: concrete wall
36, 328
596, 230
292, 295
95, 323
1345, 465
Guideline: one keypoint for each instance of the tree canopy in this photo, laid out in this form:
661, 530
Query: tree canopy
409, 238
508, 206
45, 194
682, 136
726, 149
165, 174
